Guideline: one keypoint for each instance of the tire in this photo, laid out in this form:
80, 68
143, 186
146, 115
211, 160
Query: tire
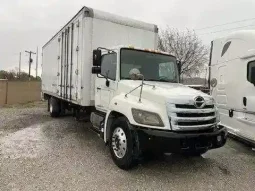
122, 144
54, 107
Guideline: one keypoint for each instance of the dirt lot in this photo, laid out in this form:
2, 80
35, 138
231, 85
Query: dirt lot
41, 153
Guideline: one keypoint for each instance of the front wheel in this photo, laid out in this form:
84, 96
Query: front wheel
122, 144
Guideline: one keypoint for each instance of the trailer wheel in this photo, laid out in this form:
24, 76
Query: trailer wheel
122, 144
54, 107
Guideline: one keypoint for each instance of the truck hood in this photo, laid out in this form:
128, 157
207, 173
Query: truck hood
163, 91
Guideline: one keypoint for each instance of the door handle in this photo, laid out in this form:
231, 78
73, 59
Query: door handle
244, 101
98, 88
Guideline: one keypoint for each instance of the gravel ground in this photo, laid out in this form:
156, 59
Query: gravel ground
41, 153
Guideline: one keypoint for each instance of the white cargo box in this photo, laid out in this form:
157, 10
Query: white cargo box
67, 57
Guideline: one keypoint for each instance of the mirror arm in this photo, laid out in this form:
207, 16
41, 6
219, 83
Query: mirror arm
109, 50
133, 90
141, 90
100, 76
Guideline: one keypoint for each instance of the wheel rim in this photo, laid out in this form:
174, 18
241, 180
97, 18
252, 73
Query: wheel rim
51, 108
119, 142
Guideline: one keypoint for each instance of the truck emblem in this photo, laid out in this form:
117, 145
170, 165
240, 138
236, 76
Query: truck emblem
199, 102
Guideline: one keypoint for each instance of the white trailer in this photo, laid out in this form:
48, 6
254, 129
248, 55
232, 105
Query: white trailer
67, 57
232, 75
132, 95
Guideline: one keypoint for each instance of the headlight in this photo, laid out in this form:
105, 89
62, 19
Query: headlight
147, 118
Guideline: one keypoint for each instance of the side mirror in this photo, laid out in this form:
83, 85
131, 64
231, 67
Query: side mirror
96, 70
253, 75
179, 65
97, 54
213, 82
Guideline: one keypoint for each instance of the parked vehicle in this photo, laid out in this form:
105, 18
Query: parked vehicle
232, 79
132, 95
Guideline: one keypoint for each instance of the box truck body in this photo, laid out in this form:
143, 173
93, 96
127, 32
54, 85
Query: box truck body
107, 67
67, 57
232, 72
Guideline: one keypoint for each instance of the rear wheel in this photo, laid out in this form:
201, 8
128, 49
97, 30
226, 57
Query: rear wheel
54, 107
122, 144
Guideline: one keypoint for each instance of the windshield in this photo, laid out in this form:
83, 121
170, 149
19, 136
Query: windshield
153, 66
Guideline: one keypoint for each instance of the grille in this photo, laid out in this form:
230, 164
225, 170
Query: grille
197, 123
189, 118
184, 106
195, 114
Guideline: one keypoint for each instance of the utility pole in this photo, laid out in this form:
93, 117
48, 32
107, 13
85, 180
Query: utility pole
30, 61
19, 64
36, 70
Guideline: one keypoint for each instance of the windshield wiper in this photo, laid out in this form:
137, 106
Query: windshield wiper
164, 80
172, 81
160, 80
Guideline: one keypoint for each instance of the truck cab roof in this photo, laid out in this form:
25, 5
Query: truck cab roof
242, 34
137, 48
240, 44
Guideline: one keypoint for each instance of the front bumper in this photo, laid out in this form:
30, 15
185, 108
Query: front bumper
179, 142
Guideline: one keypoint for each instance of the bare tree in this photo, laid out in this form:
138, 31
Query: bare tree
187, 48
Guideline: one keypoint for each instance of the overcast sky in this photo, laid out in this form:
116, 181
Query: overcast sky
26, 24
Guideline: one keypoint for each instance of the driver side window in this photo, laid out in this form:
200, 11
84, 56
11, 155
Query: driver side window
251, 72
108, 65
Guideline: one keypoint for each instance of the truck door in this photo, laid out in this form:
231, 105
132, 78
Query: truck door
68, 61
106, 81
221, 96
249, 93
60, 63
245, 120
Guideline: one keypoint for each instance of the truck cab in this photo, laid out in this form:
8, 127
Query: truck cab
232, 79
141, 105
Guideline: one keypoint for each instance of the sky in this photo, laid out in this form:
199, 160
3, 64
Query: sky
28, 24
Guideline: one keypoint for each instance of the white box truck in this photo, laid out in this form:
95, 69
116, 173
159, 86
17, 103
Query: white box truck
132, 95
232, 79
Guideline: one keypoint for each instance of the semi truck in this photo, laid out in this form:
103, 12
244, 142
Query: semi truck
232, 81
107, 68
